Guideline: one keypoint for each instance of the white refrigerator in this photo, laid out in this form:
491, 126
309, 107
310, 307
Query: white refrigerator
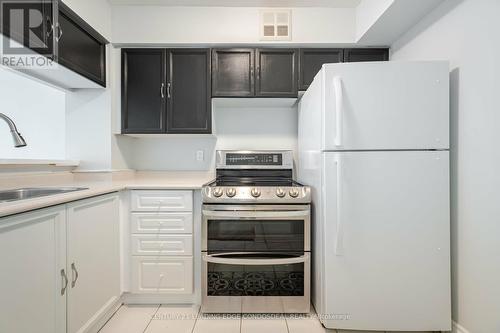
374, 147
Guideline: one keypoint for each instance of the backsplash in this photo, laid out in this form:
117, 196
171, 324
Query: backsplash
234, 128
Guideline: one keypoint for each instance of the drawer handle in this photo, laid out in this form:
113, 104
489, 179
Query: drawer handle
74, 275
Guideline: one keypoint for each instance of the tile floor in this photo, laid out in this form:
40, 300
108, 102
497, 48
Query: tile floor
188, 319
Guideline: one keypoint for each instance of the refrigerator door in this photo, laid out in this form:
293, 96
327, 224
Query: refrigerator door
386, 106
387, 241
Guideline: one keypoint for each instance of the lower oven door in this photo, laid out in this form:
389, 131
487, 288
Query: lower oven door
256, 283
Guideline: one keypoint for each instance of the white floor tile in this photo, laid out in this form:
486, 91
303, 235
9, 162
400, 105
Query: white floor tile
173, 319
229, 323
130, 319
263, 324
308, 323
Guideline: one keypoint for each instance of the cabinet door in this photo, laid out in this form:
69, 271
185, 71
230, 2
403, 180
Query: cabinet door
276, 72
33, 297
80, 47
143, 90
311, 61
358, 55
188, 91
42, 16
232, 72
93, 260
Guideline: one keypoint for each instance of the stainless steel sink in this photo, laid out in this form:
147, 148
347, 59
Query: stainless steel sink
35, 192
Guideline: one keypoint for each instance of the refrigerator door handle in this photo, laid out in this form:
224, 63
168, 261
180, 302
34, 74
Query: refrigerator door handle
340, 226
339, 112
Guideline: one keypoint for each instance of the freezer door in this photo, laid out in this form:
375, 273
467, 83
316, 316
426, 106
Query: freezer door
386, 105
387, 241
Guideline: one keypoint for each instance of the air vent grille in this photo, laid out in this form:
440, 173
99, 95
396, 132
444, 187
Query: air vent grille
276, 24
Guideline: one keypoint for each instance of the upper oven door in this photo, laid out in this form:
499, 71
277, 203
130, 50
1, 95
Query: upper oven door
229, 228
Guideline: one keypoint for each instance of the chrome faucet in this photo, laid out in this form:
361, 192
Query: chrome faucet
16, 136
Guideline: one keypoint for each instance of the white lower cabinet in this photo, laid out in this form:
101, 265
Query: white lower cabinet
161, 226
171, 275
60, 267
93, 260
32, 272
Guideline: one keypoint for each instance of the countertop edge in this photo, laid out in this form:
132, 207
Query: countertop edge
25, 206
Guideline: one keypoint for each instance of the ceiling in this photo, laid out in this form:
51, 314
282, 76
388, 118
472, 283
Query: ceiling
242, 3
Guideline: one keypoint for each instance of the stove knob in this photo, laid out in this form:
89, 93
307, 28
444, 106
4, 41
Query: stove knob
218, 192
231, 192
294, 193
280, 193
255, 192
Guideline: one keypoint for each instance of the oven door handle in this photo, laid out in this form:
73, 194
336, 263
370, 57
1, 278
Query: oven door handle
216, 259
211, 214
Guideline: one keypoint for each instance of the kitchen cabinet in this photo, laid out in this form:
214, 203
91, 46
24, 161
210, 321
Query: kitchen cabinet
366, 54
161, 236
33, 272
311, 61
144, 76
39, 39
276, 72
189, 108
93, 259
80, 47
166, 91
254, 72
64, 37
233, 72
60, 267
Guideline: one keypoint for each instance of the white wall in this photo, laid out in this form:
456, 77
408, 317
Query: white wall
95, 12
235, 128
39, 113
174, 25
368, 12
466, 33
90, 112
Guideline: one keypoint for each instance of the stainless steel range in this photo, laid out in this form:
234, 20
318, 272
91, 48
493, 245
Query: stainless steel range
255, 236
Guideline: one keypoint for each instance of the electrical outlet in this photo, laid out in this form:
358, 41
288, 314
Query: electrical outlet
200, 155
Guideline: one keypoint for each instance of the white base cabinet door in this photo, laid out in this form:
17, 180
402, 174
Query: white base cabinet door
32, 272
171, 275
93, 260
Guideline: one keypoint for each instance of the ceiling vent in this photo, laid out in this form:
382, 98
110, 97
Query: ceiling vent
276, 24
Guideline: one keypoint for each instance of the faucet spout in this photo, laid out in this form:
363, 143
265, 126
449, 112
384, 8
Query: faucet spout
16, 136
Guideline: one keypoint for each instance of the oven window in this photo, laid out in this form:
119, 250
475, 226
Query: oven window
255, 280
255, 235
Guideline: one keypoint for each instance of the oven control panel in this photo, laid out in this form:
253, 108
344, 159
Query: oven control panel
229, 159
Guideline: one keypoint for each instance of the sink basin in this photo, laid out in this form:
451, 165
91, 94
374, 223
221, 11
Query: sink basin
35, 192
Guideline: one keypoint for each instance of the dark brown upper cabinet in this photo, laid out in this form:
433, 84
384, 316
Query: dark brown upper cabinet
188, 91
276, 72
80, 48
311, 61
144, 90
166, 91
39, 38
233, 72
367, 54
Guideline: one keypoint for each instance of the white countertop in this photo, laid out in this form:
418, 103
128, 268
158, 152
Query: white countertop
97, 185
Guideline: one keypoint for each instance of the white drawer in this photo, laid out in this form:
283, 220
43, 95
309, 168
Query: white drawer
168, 275
162, 201
161, 223
168, 245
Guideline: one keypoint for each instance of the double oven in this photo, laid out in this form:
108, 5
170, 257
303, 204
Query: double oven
255, 239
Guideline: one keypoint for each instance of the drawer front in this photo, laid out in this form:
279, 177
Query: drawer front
167, 245
168, 275
162, 201
162, 223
